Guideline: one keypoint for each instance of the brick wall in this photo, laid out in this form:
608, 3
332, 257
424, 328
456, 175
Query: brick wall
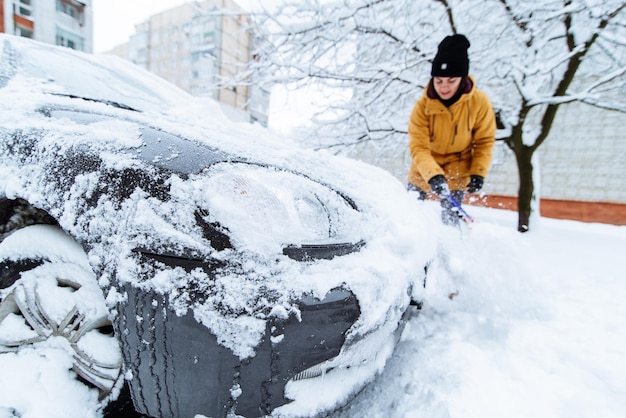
2, 30
601, 212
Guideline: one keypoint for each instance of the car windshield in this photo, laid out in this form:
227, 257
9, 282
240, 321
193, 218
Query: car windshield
102, 78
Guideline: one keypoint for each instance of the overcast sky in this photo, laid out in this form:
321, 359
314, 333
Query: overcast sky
114, 20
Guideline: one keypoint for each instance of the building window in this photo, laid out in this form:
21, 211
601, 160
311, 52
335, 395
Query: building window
23, 32
23, 8
71, 8
69, 39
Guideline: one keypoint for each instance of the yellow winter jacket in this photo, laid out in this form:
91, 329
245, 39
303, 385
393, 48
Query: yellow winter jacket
455, 141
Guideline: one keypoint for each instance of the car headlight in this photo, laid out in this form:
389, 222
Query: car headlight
264, 208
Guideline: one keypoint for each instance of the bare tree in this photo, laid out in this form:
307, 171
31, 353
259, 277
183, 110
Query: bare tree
530, 56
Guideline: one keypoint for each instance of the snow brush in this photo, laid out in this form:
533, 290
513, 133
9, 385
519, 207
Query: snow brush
466, 216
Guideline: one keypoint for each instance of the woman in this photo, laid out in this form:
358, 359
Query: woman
451, 131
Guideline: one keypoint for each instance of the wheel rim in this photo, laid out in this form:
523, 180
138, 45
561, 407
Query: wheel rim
26, 319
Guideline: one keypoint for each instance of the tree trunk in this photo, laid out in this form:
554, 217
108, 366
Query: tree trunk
526, 187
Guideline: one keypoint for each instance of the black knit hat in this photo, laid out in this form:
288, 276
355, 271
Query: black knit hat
451, 59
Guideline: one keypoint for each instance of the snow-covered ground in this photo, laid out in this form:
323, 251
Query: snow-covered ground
537, 329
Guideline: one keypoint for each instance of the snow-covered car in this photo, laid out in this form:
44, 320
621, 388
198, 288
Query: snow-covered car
207, 265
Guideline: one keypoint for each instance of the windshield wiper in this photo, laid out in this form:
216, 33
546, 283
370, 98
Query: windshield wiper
107, 102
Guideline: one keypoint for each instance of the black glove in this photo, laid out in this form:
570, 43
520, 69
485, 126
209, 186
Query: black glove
475, 184
439, 186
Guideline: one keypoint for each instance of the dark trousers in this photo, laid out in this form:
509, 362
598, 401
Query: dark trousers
449, 213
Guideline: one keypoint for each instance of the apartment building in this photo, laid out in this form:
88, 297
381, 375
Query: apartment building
60, 22
194, 46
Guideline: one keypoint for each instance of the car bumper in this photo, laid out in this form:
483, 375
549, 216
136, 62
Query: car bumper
176, 366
